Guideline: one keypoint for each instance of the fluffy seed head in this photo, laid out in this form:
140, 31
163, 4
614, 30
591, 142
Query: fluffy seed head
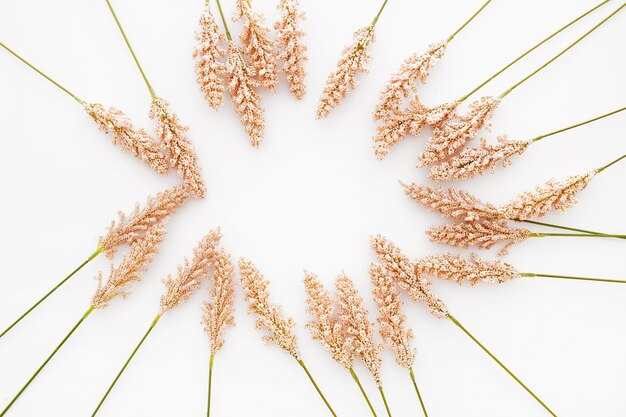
210, 70
397, 126
292, 49
219, 309
457, 268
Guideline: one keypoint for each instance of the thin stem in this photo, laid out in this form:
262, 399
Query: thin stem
532, 275
119, 374
379, 12
382, 394
32, 378
367, 400
460, 326
130, 48
208, 407
41, 300
574, 235
316, 387
556, 226
75, 97
538, 138
467, 21
510, 64
417, 391
504, 94
599, 170
219, 7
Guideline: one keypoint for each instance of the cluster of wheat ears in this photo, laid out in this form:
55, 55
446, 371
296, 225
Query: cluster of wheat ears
340, 320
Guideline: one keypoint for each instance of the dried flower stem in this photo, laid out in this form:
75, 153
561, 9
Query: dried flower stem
576, 235
91, 257
358, 382
533, 275
32, 378
460, 326
514, 86
599, 170
379, 12
301, 363
382, 395
554, 132
208, 407
219, 7
417, 391
456, 32
556, 226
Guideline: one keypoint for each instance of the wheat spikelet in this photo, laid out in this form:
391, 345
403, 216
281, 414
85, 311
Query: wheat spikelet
219, 309
457, 268
129, 229
268, 316
324, 326
257, 46
404, 273
189, 275
210, 71
246, 100
404, 81
554, 195
391, 319
358, 327
173, 137
397, 126
484, 234
458, 205
130, 139
353, 61
474, 161
132, 266
291, 45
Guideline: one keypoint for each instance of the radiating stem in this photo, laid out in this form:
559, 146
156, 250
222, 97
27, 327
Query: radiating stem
41, 300
382, 395
219, 7
130, 48
208, 407
510, 64
119, 374
556, 226
75, 97
316, 387
417, 391
574, 235
379, 12
467, 21
367, 400
460, 326
538, 138
32, 378
599, 170
532, 275
504, 94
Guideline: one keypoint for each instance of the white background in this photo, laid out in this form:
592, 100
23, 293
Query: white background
309, 198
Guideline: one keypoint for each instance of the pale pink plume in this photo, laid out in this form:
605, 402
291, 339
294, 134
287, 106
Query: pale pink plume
219, 309
292, 49
397, 126
210, 70
457, 268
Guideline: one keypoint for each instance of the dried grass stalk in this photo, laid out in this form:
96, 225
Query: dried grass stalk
292, 49
219, 309
210, 70
457, 268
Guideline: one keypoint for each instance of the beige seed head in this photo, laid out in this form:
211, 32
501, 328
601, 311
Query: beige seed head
397, 126
268, 316
354, 60
210, 70
457, 268
292, 49
219, 309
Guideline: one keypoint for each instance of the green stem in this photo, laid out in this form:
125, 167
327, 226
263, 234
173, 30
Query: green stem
417, 391
468, 21
130, 48
460, 326
119, 374
556, 226
219, 7
379, 12
504, 94
32, 378
538, 138
488, 80
316, 387
358, 382
41, 300
208, 407
75, 97
382, 394
599, 170
532, 275
574, 235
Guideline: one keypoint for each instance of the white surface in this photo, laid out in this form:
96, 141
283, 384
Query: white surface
309, 198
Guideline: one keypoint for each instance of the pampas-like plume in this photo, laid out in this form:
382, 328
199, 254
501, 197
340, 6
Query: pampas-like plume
402, 271
474, 161
554, 195
132, 267
354, 60
292, 48
219, 309
357, 326
268, 316
403, 82
457, 268
173, 138
455, 134
130, 139
189, 275
246, 100
484, 234
324, 326
257, 46
210, 70
392, 320
129, 229
459, 205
